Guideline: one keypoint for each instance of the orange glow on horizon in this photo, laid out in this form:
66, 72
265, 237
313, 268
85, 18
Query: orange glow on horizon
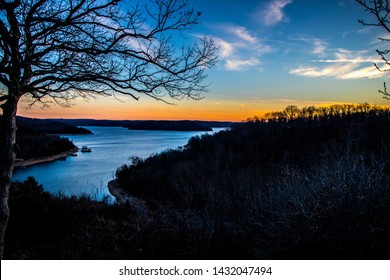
133, 110
205, 109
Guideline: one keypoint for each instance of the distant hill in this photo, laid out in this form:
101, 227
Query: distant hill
92, 122
168, 125
183, 125
38, 138
50, 126
287, 187
313, 184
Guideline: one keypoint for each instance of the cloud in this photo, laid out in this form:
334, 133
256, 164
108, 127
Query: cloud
319, 47
237, 64
341, 72
365, 72
298, 102
273, 12
239, 49
242, 33
226, 49
313, 71
344, 65
338, 63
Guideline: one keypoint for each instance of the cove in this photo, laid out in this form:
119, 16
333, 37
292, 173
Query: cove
89, 173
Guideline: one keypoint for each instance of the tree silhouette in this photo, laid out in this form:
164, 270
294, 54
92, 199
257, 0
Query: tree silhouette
380, 10
56, 50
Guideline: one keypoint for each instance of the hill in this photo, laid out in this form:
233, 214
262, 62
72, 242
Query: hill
37, 139
149, 124
50, 126
310, 183
279, 187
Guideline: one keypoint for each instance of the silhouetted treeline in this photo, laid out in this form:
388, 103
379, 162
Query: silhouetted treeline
36, 145
306, 188
312, 187
148, 124
32, 140
345, 112
44, 226
50, 126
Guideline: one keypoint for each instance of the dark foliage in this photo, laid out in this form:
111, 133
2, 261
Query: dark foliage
92, 122
36, 145
126, 123
292, 187
43, 226
34, 142
50, 126
297, 188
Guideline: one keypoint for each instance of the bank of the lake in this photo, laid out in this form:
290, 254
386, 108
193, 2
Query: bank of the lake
20, 164
313, 188
89, 173
122, 197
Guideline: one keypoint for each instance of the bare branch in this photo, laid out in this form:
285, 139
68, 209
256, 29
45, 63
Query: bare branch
386, 94
102, 48
380, 10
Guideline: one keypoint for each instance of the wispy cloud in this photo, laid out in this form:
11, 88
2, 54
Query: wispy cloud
281, 102
242, 33
342, 55
342, 64
320, 47
226, 49
239, 49
317, 46
237, 64
273, 12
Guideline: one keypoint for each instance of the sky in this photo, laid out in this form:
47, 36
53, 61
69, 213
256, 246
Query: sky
272, 53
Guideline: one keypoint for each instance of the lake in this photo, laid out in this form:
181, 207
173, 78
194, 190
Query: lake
89, 173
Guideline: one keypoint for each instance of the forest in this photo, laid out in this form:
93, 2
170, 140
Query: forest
37, 138
49, 126
149, 124
310, 183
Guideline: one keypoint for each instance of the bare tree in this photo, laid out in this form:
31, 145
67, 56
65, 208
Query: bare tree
56, 50
380, 9
291, 112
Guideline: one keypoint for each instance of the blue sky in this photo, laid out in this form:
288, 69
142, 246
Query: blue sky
292, 35
273, 53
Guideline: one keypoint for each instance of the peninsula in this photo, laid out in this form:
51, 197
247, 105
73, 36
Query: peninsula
175, 125
40, 141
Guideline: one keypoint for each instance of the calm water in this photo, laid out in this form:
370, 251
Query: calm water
89, 173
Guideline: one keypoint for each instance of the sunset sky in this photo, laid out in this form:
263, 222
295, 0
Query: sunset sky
273, 53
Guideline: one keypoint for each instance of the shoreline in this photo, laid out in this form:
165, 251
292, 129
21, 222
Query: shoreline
116, 191
29, 162
122, 197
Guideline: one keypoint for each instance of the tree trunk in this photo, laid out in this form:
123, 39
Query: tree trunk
7, 161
